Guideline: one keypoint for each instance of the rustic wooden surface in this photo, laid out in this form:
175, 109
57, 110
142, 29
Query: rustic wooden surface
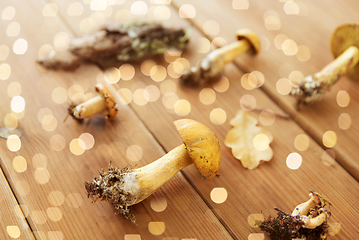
45, 177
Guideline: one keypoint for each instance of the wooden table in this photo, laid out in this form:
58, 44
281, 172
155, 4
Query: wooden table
43, 172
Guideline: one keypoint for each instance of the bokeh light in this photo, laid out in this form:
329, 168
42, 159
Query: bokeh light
203, 45
329, 139
75, 9
146, 66
266, 117
13, 29
134, 153
20, 46
112, 75
39, 160
219, 195
168, 86
158, 204
127, 71
57, 142
279, 40
50, 10
74, 200
240, 4
187, 11
39, 217
54, 213
218, 116
255, 219
141, 97
248, 102
13, 143
303, 53
256, 236
169, 100
343, 98
125, 96
207, 96
211, 27
294, 161
272, 20
283, 86
291, 8
77, 146
42, 175
301, 142
156, 228
4, 52
132, 237
56, 198
19, 164
139, 8
13, 231
290, 47
182, 107
22, 187
158, 73
8, 13
5, 71
88, 140
59, 95
222, 85
14, 89
344, 121
161, 13
153, 93
11, 121
61, 41
261, 142
55, 235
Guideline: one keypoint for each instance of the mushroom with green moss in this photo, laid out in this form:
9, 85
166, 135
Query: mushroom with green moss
129, 186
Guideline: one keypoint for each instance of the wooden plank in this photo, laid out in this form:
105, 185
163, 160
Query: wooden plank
273, 184
310, 29
52, 185
13, 215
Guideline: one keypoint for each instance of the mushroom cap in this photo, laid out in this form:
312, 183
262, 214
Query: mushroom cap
202, 146
109, 99
343, 37
251, 37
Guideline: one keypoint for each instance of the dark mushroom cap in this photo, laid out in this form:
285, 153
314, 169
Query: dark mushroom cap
343, 37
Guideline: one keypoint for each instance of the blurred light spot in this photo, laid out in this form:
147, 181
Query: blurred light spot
334, 228
57, 142
134, 153
123, 15
19, 163
222, 85
211, 27
261, 142
141, 97
139, 8
294, 161
248, 102
50, 126
255, 219
13, 143
283, 86
87, 25
295, 77
256, 236
73, 90
45, 115
219, 195
61, 41
125, 95
50, 10
17, 104
132, 237
328, 157
182, 107
55, 235
5, 71
127, 71
203, 45
23, 187
13, 231
162, 13
272, 21
124, 130
158, 204
56, 198
245, 82
146, 66
59, 95
256, 79
156, 228
265, 43
175, 69
344, 121
187, 11
42, 176
88, 140
13, 29
158, 73
45, 50
154, 93
172, 54
301, 142
8, 13
112, 75
343, 98
39, 161
20, 46
291, 8
279, 40
290, 47
169, 100
218, 42
218, 116
4, 52
185, 63
98, 5
77, 146
75, 9
240, 4
14, 89
54, 213
303, 53
74, 200
11, 121
39, 217
207, 96
21, 211
329, 139
267, 117
168, 86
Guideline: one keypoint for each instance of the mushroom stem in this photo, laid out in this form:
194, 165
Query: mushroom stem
313, 87
89, 108
215, 61
152, 176
312, 223
304, 208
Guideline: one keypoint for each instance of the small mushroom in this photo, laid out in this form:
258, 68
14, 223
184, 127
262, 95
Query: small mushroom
304, 208
344, 46
126, 187
212, 65
104, 101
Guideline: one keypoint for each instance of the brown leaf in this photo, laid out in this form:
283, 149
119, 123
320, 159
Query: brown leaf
249, 143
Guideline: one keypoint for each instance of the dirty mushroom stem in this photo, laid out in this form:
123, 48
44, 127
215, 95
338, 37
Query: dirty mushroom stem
90, 107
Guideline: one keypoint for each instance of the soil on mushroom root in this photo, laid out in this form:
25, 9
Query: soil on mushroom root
108, 187
287, 227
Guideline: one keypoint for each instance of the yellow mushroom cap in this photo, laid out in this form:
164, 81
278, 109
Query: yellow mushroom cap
251, 37
345, 36
109, 99
202, 146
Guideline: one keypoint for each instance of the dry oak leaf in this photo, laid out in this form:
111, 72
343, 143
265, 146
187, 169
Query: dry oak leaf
249, 142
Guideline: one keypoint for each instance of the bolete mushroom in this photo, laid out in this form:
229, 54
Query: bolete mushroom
103, 101
211, 66
126, 187
344, 46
